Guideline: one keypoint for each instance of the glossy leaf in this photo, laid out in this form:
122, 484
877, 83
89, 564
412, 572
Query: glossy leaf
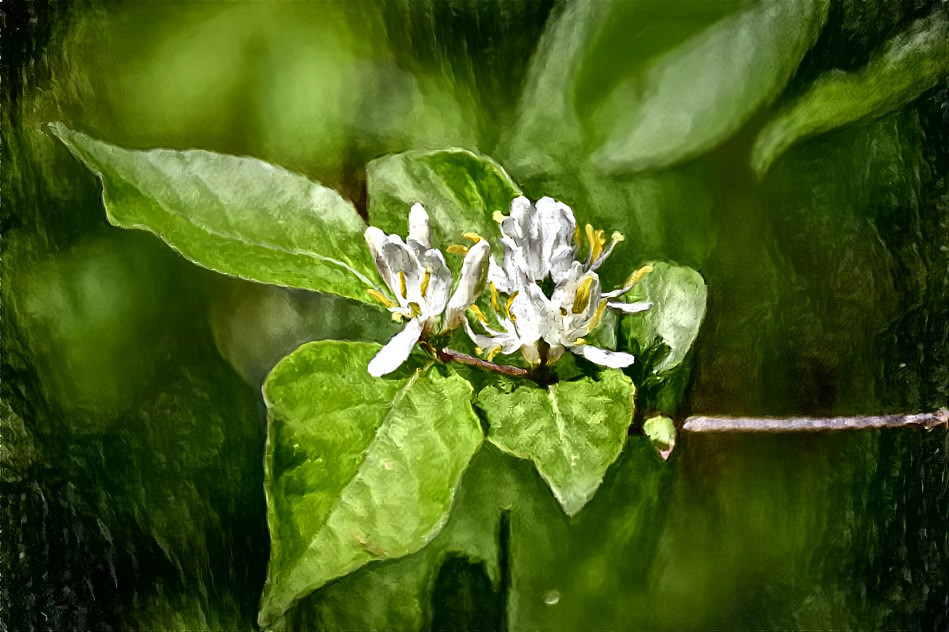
678, 295
697, 95
911, 63
459, 189
571, 431
546, 127
358, 468
234, 215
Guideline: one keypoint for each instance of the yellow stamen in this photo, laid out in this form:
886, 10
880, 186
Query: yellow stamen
579, 341
495, 301
591, 239
597, 317
498, 216
475, 237
402, 288
510, 301
577, 238
379, 296
457, 249
425, 279
397, 317
479, 350
493, 352
416, 310
478, 313
637, 276
582, 298
617, 237
596, 245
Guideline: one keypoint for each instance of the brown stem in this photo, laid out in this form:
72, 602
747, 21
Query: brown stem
928, 421
450, 355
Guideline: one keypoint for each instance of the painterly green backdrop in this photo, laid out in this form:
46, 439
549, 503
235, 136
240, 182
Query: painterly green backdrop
132, 424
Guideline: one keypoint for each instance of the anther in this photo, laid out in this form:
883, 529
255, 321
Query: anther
379, 296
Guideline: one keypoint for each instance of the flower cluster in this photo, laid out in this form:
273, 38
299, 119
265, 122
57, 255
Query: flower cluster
542, 249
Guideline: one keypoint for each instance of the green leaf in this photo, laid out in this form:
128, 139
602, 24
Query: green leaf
546, 128
358, 468
459, 189
700, 93
911, 63
678, 295
661, 432
571, 431
234, 215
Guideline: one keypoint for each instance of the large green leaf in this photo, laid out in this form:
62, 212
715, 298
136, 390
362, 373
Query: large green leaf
546, 128
697, 95
572, 431
459, 189
909, 64
358, 468
678, 295
234, 215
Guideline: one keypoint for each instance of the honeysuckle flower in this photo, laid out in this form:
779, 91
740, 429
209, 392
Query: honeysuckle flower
420, 284
541, 243
537, 242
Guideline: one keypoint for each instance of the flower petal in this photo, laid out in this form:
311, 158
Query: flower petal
418, 226
630, 308
557, 225
534, 315
610, 359
439, 282
377, 240
474, 272
397, 350
506, 340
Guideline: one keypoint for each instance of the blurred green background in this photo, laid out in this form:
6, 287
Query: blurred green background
132, 426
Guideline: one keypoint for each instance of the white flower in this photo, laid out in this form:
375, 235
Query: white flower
542, 242
420, 283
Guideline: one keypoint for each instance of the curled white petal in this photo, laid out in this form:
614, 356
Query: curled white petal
610, 359
418, 226
630, 308
474, 273
376, 240
557, 226
397, 350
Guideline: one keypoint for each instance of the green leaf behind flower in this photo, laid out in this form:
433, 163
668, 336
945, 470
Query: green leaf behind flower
234, 215
459, 190
678, 295
698, 94
909, 64
571, 431
358, 468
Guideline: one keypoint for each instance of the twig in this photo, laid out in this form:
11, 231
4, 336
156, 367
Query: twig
450, 355
928, 421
